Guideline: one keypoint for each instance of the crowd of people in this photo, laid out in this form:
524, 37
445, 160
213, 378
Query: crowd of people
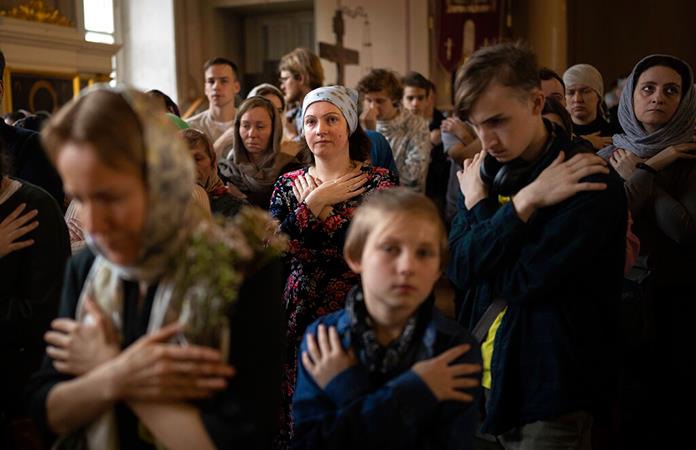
263, 273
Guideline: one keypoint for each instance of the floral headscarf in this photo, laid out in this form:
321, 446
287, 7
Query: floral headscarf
176, 243
170, 217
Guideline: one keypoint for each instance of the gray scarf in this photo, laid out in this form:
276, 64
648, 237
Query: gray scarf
678, 130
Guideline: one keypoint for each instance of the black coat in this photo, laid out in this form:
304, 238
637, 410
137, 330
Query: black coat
243, 415
29, 162
30, 285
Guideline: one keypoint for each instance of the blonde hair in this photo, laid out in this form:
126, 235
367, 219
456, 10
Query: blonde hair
303, 62
398, 201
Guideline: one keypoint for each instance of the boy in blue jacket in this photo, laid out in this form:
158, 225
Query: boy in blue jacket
389, 371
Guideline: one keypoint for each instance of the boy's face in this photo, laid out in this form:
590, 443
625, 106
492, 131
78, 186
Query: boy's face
400, 265
221, 85
416, 100
382, 103
506, 121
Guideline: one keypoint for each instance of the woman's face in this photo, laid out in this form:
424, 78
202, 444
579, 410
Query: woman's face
204, 166
255, 129
112, 201
325, 129
276, 101
656, 97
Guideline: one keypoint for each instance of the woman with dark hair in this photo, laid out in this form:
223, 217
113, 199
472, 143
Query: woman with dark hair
256, 160
158, 307
34, 247
314, 206
656, 156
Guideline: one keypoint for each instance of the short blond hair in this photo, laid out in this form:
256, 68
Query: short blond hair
302, 61
398, 201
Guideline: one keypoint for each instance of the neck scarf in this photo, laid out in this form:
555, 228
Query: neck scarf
379, 359
679, 129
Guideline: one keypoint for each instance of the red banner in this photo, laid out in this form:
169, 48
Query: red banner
464, 26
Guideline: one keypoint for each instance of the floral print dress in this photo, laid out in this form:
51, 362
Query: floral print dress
319, 278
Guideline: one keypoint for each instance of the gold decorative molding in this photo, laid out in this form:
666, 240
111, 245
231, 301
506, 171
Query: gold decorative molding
37, 11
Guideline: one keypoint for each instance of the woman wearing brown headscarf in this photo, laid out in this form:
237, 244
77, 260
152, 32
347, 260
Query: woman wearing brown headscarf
256, 160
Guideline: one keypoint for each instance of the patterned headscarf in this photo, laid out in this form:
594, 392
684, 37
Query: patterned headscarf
678, 130
343, 98
169, 178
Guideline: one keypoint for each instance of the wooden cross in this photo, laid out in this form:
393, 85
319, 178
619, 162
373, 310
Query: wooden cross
337, 53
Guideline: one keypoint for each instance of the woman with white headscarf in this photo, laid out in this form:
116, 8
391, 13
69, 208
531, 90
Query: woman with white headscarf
314, 206
156, 275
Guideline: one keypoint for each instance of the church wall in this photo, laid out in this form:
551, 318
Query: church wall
398, 33
147, 58
614, 35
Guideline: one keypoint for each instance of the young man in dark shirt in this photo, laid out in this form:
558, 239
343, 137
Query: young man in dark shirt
540, 229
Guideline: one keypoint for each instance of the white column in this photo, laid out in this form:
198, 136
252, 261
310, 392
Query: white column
147, 59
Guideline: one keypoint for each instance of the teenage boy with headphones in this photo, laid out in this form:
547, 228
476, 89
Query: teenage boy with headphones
538, 248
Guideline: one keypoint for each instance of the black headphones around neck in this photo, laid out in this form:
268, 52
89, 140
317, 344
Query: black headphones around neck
508, 178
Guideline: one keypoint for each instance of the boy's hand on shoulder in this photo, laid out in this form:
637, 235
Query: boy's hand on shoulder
325, 357
445, 380
558, 182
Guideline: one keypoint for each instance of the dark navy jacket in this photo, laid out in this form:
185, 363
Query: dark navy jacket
561, 276
358, 411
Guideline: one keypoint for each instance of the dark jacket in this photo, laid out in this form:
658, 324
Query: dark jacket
29, 162
243, 415
358, 410
30, 285
561, 276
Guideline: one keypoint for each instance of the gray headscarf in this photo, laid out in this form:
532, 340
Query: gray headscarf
584, 74
343, 98
678, 130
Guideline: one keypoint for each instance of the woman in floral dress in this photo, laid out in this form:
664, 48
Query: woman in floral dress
314, 206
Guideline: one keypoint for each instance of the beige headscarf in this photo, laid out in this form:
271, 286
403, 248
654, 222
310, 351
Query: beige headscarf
169, 177
240, 170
